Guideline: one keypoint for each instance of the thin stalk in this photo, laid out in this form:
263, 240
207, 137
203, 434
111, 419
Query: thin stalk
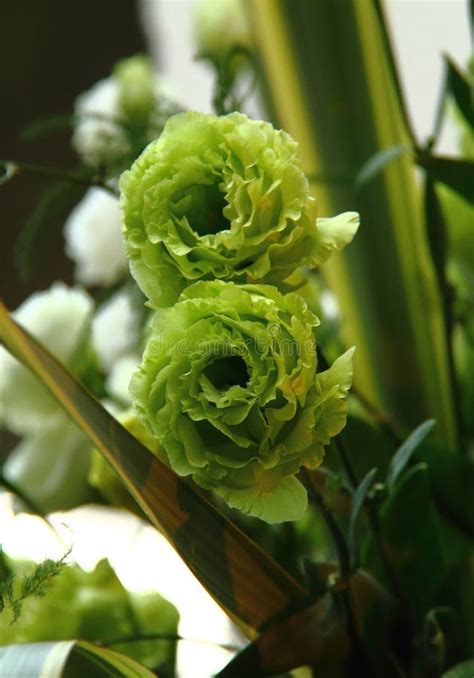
14, 168
345, 570
381, 418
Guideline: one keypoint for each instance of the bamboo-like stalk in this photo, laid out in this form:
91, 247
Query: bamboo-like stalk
330, 85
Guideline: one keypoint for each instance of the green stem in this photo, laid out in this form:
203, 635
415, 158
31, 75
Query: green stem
381, 418
14, 168
344, 559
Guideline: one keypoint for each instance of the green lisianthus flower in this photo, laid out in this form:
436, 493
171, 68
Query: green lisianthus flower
222, 198
229, 386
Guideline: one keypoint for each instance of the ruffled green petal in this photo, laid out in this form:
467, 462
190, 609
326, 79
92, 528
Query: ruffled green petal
287, 501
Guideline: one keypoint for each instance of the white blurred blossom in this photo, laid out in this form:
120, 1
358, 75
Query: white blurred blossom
60, 319
118, 380
219, 26
51, 466
97, 137
115, 329
93, 234
119, 115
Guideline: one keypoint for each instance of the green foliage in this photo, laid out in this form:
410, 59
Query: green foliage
16, 589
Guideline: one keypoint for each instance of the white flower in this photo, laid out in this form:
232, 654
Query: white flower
117, 116
59, 318
97, 137
118, 381
51, 467
115, 329
94, 239
219, 26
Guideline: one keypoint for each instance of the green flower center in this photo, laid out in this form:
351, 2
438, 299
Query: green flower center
203, 207
227, 371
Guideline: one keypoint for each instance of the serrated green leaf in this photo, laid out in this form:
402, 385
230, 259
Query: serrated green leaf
406, 451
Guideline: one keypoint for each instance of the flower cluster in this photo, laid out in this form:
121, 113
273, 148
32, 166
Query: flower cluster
120, 114
229, 383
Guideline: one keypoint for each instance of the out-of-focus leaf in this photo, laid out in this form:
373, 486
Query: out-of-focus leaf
463, 670
54, 660
451, 479
432, 647
377, 162
335, 60
436, 229
456, 173
406, 451
52, 205
44, 127
460, 88
358, 499
416, 536
318, 637
243, 579
361, 434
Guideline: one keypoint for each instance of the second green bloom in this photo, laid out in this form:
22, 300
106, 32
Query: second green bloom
229, 387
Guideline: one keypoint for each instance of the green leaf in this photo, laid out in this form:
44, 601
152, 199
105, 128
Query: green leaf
436, 229
358, 499
415, 536
460, 88
406, 451
45, 127
243, 579
335, 60
317, 636
463, 670
456, 173
377, 162
54, 660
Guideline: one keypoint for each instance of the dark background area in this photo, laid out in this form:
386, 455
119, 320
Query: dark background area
49, 53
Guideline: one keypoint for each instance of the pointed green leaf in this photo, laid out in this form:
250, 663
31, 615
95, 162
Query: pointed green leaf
377, 162
406, 451
243, 579
460, 88
455, 173
358, 499
57, 659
